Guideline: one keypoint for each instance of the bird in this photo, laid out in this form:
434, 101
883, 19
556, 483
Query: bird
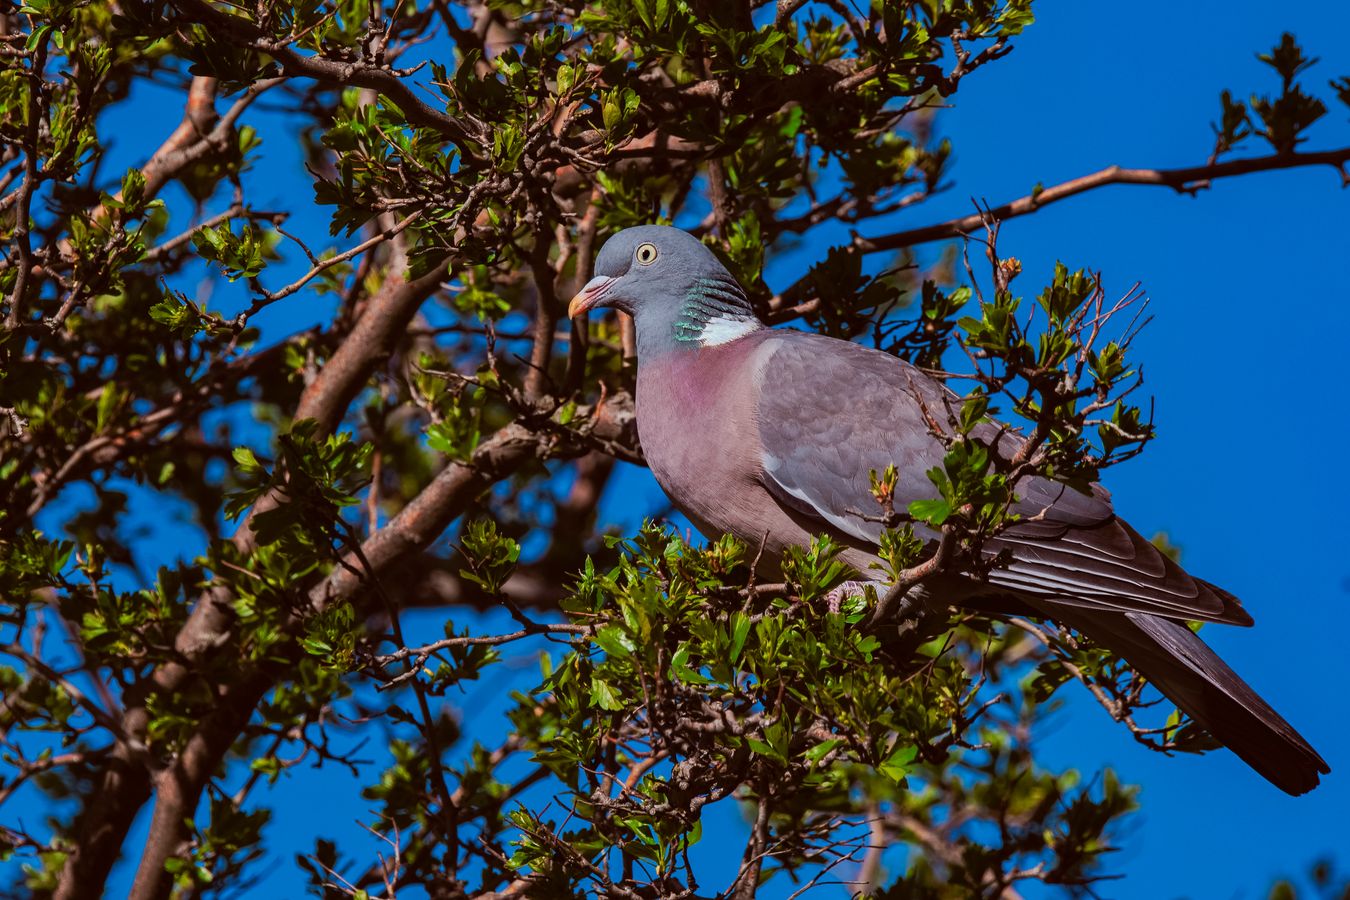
772, 435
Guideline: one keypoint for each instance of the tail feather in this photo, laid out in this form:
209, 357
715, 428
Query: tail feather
1193, 677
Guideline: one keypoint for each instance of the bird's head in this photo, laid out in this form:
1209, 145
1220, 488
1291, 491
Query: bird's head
676, 290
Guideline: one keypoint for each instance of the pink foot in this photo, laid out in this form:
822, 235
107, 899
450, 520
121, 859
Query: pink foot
835, 597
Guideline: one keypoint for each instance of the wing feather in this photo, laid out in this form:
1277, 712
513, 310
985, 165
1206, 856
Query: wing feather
873, 410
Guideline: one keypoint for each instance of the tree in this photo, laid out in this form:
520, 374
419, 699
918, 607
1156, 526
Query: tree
441, 440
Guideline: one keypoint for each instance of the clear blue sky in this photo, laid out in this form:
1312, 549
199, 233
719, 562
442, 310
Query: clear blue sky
1248, 282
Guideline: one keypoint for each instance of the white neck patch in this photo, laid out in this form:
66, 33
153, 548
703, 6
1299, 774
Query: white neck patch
721, 330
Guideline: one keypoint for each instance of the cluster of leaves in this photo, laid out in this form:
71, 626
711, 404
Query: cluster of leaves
1067, 416
682, 691
1284, 117
1322, 881
1072, 389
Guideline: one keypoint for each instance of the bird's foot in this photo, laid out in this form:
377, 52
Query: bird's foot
835, 597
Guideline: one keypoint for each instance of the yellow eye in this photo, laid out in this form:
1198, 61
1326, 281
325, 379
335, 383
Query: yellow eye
646, 254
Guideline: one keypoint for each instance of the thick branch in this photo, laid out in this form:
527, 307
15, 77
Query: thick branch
422, 521
199, 116
103, 823
457, 485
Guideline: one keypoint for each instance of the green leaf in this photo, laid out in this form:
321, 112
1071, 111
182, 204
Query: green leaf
615, 641
604, 695
820, 751
740, 628
897, 765
935, 512
246, 459
107, 402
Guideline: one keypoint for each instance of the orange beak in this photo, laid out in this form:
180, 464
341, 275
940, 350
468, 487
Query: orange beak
590, 296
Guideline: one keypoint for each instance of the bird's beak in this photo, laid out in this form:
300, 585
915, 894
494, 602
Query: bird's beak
591, 296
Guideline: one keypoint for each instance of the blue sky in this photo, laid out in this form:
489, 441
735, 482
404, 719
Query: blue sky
1248, 288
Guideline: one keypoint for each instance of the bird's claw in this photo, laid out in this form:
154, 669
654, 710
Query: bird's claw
834, 598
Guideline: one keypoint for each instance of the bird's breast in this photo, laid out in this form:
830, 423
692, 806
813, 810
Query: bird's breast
697, 422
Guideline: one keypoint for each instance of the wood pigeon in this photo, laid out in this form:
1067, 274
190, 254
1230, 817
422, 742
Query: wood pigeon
770, 435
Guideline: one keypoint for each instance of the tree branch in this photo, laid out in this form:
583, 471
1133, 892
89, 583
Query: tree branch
1184, 181
102, 825
344, 74
199, 117
442, 501
795, 301
23, 212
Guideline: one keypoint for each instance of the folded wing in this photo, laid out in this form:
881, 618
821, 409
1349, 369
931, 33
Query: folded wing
870, 410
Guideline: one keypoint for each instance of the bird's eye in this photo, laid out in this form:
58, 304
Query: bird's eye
646, 254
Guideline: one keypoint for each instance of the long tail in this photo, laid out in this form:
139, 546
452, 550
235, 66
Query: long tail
1183, 667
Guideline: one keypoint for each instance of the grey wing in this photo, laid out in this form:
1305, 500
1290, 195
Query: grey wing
832, 411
